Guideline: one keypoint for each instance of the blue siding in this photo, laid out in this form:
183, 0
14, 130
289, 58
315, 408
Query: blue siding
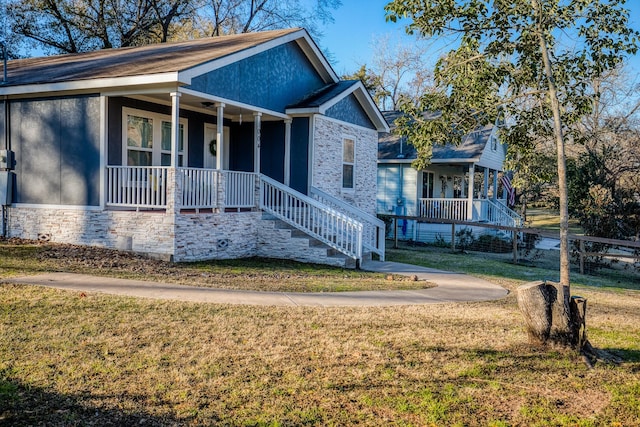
397, 182
300, 154
272, 79
241, 147
272, 150
196, 123
57, 147
349, 110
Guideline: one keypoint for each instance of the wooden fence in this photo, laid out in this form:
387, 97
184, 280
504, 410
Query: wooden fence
586, 251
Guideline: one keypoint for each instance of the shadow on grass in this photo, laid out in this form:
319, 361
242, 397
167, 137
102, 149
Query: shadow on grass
22, 405
625, 354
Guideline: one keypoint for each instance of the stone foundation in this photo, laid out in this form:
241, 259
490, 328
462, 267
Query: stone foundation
185, 237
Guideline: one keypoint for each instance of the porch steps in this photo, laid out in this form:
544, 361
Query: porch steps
277, 239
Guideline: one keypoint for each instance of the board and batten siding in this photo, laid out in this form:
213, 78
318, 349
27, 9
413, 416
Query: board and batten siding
397, 181
57, 150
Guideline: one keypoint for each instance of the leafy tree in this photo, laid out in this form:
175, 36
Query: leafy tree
70, 26
512, 63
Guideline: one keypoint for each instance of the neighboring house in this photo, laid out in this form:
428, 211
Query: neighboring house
223, 147
461, 183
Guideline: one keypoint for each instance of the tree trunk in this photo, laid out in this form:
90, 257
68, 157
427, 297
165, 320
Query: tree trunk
552, 315
559, 137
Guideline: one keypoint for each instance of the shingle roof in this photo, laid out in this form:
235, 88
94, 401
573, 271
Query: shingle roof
133, 61
395, 147
325, 94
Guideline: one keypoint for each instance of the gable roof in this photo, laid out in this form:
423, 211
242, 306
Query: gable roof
395, 148
170, 62
326, 97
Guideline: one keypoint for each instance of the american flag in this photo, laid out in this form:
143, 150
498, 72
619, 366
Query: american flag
511, 192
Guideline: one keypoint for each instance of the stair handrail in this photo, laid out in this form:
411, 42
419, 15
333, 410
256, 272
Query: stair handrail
505, 211
374, 227
317, 220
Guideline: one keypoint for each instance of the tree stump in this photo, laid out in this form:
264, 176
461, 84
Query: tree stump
551, 315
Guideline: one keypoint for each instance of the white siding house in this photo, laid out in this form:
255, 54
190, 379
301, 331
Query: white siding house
461, 183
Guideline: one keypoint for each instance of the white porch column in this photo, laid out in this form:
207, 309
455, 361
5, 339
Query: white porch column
287, 151
220, 136
485, 184
495, 184
472, 172
257, 124
175, 127
174, 179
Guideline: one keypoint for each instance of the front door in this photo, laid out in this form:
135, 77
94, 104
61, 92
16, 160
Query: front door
427, 185
210, 154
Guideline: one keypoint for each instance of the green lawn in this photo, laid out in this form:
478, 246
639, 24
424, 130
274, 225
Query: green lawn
546, 219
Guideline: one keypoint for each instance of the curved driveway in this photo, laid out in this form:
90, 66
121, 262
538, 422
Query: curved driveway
451, 287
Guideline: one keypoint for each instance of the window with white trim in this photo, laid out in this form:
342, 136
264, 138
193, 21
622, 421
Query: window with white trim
348, 163
147, 139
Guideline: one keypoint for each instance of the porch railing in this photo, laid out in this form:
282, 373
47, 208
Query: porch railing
240, 189
137, 186
312, 217
373, 235
200, 188
145, 187
455, 209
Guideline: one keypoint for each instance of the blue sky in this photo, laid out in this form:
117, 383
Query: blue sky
359, 23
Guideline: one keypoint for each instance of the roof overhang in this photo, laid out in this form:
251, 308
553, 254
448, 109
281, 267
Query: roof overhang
456, 161
363, 97
301, 37
93, 85
180, 77
395, 161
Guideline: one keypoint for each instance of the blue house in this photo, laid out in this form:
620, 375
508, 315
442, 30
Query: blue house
462, 183
224, 147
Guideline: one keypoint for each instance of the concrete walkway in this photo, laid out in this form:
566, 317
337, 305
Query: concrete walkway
451, 287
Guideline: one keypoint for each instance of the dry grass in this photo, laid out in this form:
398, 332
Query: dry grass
70, 359
18, 257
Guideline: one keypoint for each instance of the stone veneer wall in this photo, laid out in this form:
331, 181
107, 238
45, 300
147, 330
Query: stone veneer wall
191, 237
328, 135
147, 232
226, 235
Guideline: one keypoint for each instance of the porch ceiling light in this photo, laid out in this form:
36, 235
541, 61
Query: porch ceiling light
206, 104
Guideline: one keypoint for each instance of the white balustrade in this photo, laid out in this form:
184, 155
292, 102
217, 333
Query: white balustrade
314, 218
137, 186
373, 234
495, 212
200, 188
240, 189
441, 208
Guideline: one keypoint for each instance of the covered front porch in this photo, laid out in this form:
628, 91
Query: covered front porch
468, 193
457, 192
181, 192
